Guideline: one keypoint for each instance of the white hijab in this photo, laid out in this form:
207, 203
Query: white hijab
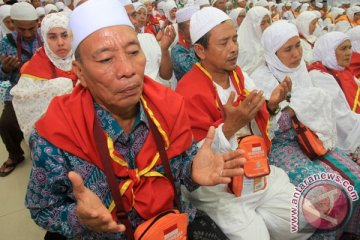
235, 13
302, 23
249, 34
54, 20
168, 6
4, 13
313, 107
350, 12
325, 46
354, 35
304, 7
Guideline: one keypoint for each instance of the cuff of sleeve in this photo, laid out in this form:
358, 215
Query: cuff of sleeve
189, 183
221, 143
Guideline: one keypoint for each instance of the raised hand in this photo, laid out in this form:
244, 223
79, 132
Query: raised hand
238, 116
9, 63
168, 37
280, 93
89, 208
209, 168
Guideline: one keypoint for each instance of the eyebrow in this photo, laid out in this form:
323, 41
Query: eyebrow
51, 33
112, 49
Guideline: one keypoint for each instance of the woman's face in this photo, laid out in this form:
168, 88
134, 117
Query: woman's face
9, 23
266, 22
312, 26
290, 53
173, 13
240, 18
343, 53
141, 17
59, 41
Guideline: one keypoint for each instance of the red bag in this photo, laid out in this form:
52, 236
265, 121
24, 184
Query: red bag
309, 142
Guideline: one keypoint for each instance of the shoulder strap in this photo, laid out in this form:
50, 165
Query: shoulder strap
13, 43
111, 179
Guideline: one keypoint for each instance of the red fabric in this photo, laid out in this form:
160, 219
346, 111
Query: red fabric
345, 80
74, 114
304, 38
201, 100
355, 64
40, 66
182, 41
151, 25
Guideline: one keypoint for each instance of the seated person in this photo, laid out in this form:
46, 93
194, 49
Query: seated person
330, 72
210, 89
68, 192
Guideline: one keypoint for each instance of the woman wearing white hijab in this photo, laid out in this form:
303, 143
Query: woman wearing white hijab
354, 66
306, 23
353, 14
237, 15
312, 106
6, 23
249, 34
46, 75
331, 73
50, 8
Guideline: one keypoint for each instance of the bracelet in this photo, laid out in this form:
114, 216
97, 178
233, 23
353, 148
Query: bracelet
272, 112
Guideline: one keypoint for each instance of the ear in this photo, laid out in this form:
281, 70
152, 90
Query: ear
200, 51
77, 67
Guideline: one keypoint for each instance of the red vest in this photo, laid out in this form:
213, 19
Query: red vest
346, 81
355, 64
202, 101
40, 67
72, 120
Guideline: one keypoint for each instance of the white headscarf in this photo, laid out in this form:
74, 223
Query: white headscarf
4, 13
335, 12
60, 5
138, 6
273, 39
56, 20
249, 35
354, 35
235, 13
40, 11
304, 7
50, 7
313, 107
169, 5
325, 47
302, 23
350, 12
295, 5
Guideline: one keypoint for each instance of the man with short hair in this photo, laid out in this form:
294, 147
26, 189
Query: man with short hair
68, 191
217, 93
15, 49
183, 55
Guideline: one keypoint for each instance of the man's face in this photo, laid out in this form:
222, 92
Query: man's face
36, 3
220, 4
111, 66
141, 17
130, 10
185, 30
290, 53
222, 51
26, 29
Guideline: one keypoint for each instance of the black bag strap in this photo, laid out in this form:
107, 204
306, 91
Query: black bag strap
121, 214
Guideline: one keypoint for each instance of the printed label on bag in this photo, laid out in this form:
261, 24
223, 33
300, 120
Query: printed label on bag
172, 233
259, 183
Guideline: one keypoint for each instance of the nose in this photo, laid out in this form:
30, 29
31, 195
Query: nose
124, 68
60, 41
234, 46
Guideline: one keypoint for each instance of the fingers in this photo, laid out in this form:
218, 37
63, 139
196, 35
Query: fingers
209, 138
231, 99
104, 223
9, 62
77, 183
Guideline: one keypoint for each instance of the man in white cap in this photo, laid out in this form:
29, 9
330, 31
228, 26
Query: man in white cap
183, 55
220, 4
262, 209
68, 191
202, 3
15, 49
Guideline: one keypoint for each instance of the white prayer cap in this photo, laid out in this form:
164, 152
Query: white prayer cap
143, 1
304, 7
169, 5
202, 2
60, 5
4, 12
288, 4
138, 6
126, 2
94, 15
204, 20
184, 14
50, 7
28, 1
161, 5
23, 11
262, 3
325, 47
354, 35
319, 5
295, 5
40, 11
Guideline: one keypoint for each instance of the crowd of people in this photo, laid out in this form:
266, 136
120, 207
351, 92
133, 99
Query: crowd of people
185, 82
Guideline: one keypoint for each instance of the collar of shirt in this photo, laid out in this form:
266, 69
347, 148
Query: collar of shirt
112, 128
